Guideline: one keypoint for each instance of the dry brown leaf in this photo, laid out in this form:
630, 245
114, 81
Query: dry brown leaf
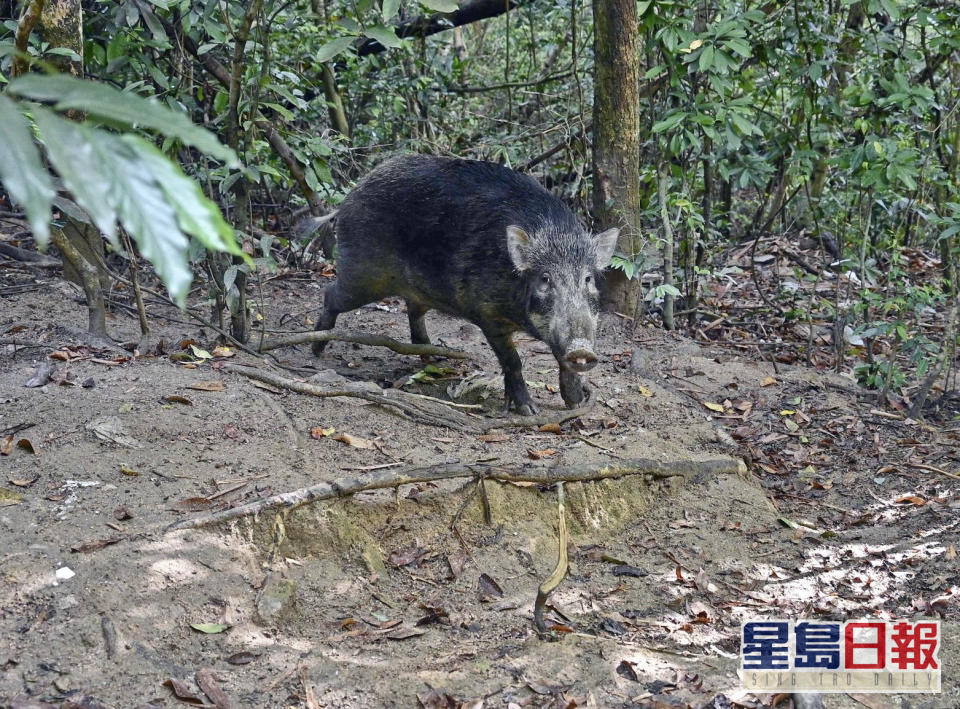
6, 445
211, 385
768, 381
318, 432
551, 428
177, 399
493, 438
192, 504
208, 683
355, 441
182, 691
542, 453
95, 545
223, 352
405, 633
913, 499
129, 471
24, 483
26, 445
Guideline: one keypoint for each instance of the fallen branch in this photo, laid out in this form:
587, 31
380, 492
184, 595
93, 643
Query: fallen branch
386, 479
405, 348
427, 410
419, 411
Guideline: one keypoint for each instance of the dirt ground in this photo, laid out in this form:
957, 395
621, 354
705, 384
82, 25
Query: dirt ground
387, 599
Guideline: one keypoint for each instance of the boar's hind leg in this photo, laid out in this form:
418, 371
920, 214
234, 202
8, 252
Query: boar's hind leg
336, 300
515, 389
418, 328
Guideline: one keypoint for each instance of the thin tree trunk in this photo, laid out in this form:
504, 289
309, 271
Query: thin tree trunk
616, 137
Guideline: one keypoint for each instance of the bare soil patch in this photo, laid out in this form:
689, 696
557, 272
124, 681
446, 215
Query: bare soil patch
379, 599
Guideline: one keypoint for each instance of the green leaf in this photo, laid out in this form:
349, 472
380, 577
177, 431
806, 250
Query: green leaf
389, 8
741, 47
332, 49
209, 628
706, 58
73, 154
440, 5
384, 35
196, 214
118, 108
669, 122
145, 212
891, 7
22, 173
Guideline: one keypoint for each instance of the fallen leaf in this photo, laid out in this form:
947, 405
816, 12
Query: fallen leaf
122, 513
182, 692
768, 381
6, 445
242, 658
24, 483
192, 504
405, 557
625, 669
110, 428
488, 589
355, 441
627, 570
209, 628
318, 432
539, 454
643, 390
551, 428
405, 633
95, 545
208, 683
222, 352
129, 471
913, 499
713, 407
211, 385
177, 399
9, 497
493, 438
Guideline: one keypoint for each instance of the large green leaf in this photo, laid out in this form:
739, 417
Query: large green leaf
197, 215
333, 48
389, 8
71, 150
145, 213
440, 5
118, 108
22, 173
384, 35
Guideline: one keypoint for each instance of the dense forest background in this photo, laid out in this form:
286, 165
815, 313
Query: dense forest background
786, 173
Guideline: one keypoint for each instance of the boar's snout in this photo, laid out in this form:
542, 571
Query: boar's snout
580, 356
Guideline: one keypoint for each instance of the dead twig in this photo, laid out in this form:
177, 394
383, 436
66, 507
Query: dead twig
388, 479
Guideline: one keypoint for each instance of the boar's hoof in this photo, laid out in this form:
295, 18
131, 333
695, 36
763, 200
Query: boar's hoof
524, 408
573, 388
318, 348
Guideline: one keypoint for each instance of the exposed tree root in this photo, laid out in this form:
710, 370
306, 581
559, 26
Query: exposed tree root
426, 410
559, 571
405, 348
385, 479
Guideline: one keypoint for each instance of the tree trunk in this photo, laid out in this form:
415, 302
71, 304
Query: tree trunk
616, 137
61, 25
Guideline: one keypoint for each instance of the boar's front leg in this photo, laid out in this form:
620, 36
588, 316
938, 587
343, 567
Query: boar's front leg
515, 389
573, 387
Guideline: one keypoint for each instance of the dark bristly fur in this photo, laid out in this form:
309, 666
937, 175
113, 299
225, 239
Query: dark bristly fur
435, 232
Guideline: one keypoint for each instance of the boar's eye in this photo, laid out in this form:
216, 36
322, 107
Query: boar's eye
544, 279
588, 279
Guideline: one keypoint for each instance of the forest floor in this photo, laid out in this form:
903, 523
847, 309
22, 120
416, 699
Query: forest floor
394, 597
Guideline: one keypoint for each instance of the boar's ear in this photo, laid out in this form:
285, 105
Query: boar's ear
518, 246
606, 243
